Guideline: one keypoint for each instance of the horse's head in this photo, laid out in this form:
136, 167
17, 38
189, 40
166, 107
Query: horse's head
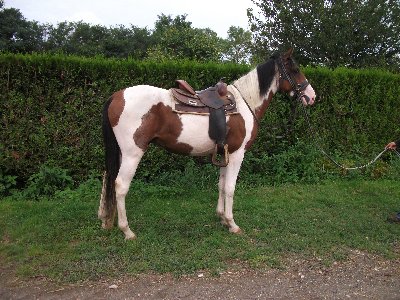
292, 81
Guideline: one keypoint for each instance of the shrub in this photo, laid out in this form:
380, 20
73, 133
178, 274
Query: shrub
47, 182
7, 183
51, 111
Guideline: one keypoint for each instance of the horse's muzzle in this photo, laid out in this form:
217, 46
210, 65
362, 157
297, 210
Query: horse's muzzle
306, 100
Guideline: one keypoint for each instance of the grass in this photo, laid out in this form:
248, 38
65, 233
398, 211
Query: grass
178, 231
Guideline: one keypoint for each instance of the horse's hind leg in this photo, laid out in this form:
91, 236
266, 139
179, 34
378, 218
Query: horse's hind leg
129, 164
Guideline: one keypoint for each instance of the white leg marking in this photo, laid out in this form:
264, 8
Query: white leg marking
232, 171
221, 196
126, 172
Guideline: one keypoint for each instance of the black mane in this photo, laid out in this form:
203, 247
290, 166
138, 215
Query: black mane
266, 73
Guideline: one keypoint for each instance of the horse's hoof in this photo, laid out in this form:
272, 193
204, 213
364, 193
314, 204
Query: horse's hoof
106, 225
236, 230
130, 237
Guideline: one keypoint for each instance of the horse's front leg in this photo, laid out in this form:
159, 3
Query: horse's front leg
231, 173
221, 194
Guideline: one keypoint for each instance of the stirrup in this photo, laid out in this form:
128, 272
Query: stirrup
224, 159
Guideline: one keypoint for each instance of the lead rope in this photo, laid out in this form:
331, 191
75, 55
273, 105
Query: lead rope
330, 158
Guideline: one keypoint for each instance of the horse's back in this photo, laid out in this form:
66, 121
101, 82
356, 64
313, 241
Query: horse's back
129, 106
144, 95
138, 100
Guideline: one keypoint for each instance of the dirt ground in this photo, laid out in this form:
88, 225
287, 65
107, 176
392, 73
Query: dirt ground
362, 276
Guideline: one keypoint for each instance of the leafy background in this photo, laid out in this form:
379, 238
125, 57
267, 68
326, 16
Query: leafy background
51, 114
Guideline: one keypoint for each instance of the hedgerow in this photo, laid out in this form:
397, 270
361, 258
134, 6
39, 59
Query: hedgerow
51, 114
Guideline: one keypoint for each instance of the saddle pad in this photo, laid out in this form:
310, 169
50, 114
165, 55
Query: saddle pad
185, 109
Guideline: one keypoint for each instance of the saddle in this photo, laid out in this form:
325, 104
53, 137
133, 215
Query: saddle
215, 101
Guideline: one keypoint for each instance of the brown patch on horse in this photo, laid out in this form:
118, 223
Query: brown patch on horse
116, 107
163, 127
236, 132
259, 113
284, 86
253, 136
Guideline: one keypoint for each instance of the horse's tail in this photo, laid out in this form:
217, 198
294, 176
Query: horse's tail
112, 163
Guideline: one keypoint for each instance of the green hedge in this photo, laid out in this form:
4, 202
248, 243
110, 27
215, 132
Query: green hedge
51, 113
51, 106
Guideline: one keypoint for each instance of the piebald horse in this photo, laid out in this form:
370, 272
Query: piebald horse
137, 116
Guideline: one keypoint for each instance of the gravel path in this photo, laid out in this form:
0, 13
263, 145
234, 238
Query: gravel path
361, 276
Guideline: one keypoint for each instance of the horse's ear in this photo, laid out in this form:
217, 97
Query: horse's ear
275, 55
288, 53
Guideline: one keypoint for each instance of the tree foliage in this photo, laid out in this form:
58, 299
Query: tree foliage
79, 38
176, 38
17, 34
172, 38
238, 45
351, 33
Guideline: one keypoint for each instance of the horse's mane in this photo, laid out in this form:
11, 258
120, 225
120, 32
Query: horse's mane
266, 73
257, 83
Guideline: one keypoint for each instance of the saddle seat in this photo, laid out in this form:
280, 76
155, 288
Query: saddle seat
215, 101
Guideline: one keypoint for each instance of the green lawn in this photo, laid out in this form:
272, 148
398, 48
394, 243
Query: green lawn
178, 231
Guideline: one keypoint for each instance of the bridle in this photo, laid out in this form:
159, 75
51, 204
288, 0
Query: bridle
297, 88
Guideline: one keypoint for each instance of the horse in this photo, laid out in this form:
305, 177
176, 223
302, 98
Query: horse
137, 116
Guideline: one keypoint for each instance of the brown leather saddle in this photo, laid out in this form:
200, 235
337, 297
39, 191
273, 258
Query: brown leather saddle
199, 102
215, 101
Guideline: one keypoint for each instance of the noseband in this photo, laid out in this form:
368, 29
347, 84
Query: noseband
297, 88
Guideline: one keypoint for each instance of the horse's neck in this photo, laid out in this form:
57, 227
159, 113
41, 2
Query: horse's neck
249, 88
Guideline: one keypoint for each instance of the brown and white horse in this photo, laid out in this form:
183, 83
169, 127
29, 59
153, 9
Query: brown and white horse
137, 116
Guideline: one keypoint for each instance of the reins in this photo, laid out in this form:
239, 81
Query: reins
316, 136
298, 90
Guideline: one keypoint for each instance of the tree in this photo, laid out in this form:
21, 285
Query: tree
238, 45
172, 38
353, 33
176, 38
17, 34
127, 42
87, 40
59, 37
83, 39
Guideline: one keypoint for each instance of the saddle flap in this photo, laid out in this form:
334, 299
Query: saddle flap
217, 125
